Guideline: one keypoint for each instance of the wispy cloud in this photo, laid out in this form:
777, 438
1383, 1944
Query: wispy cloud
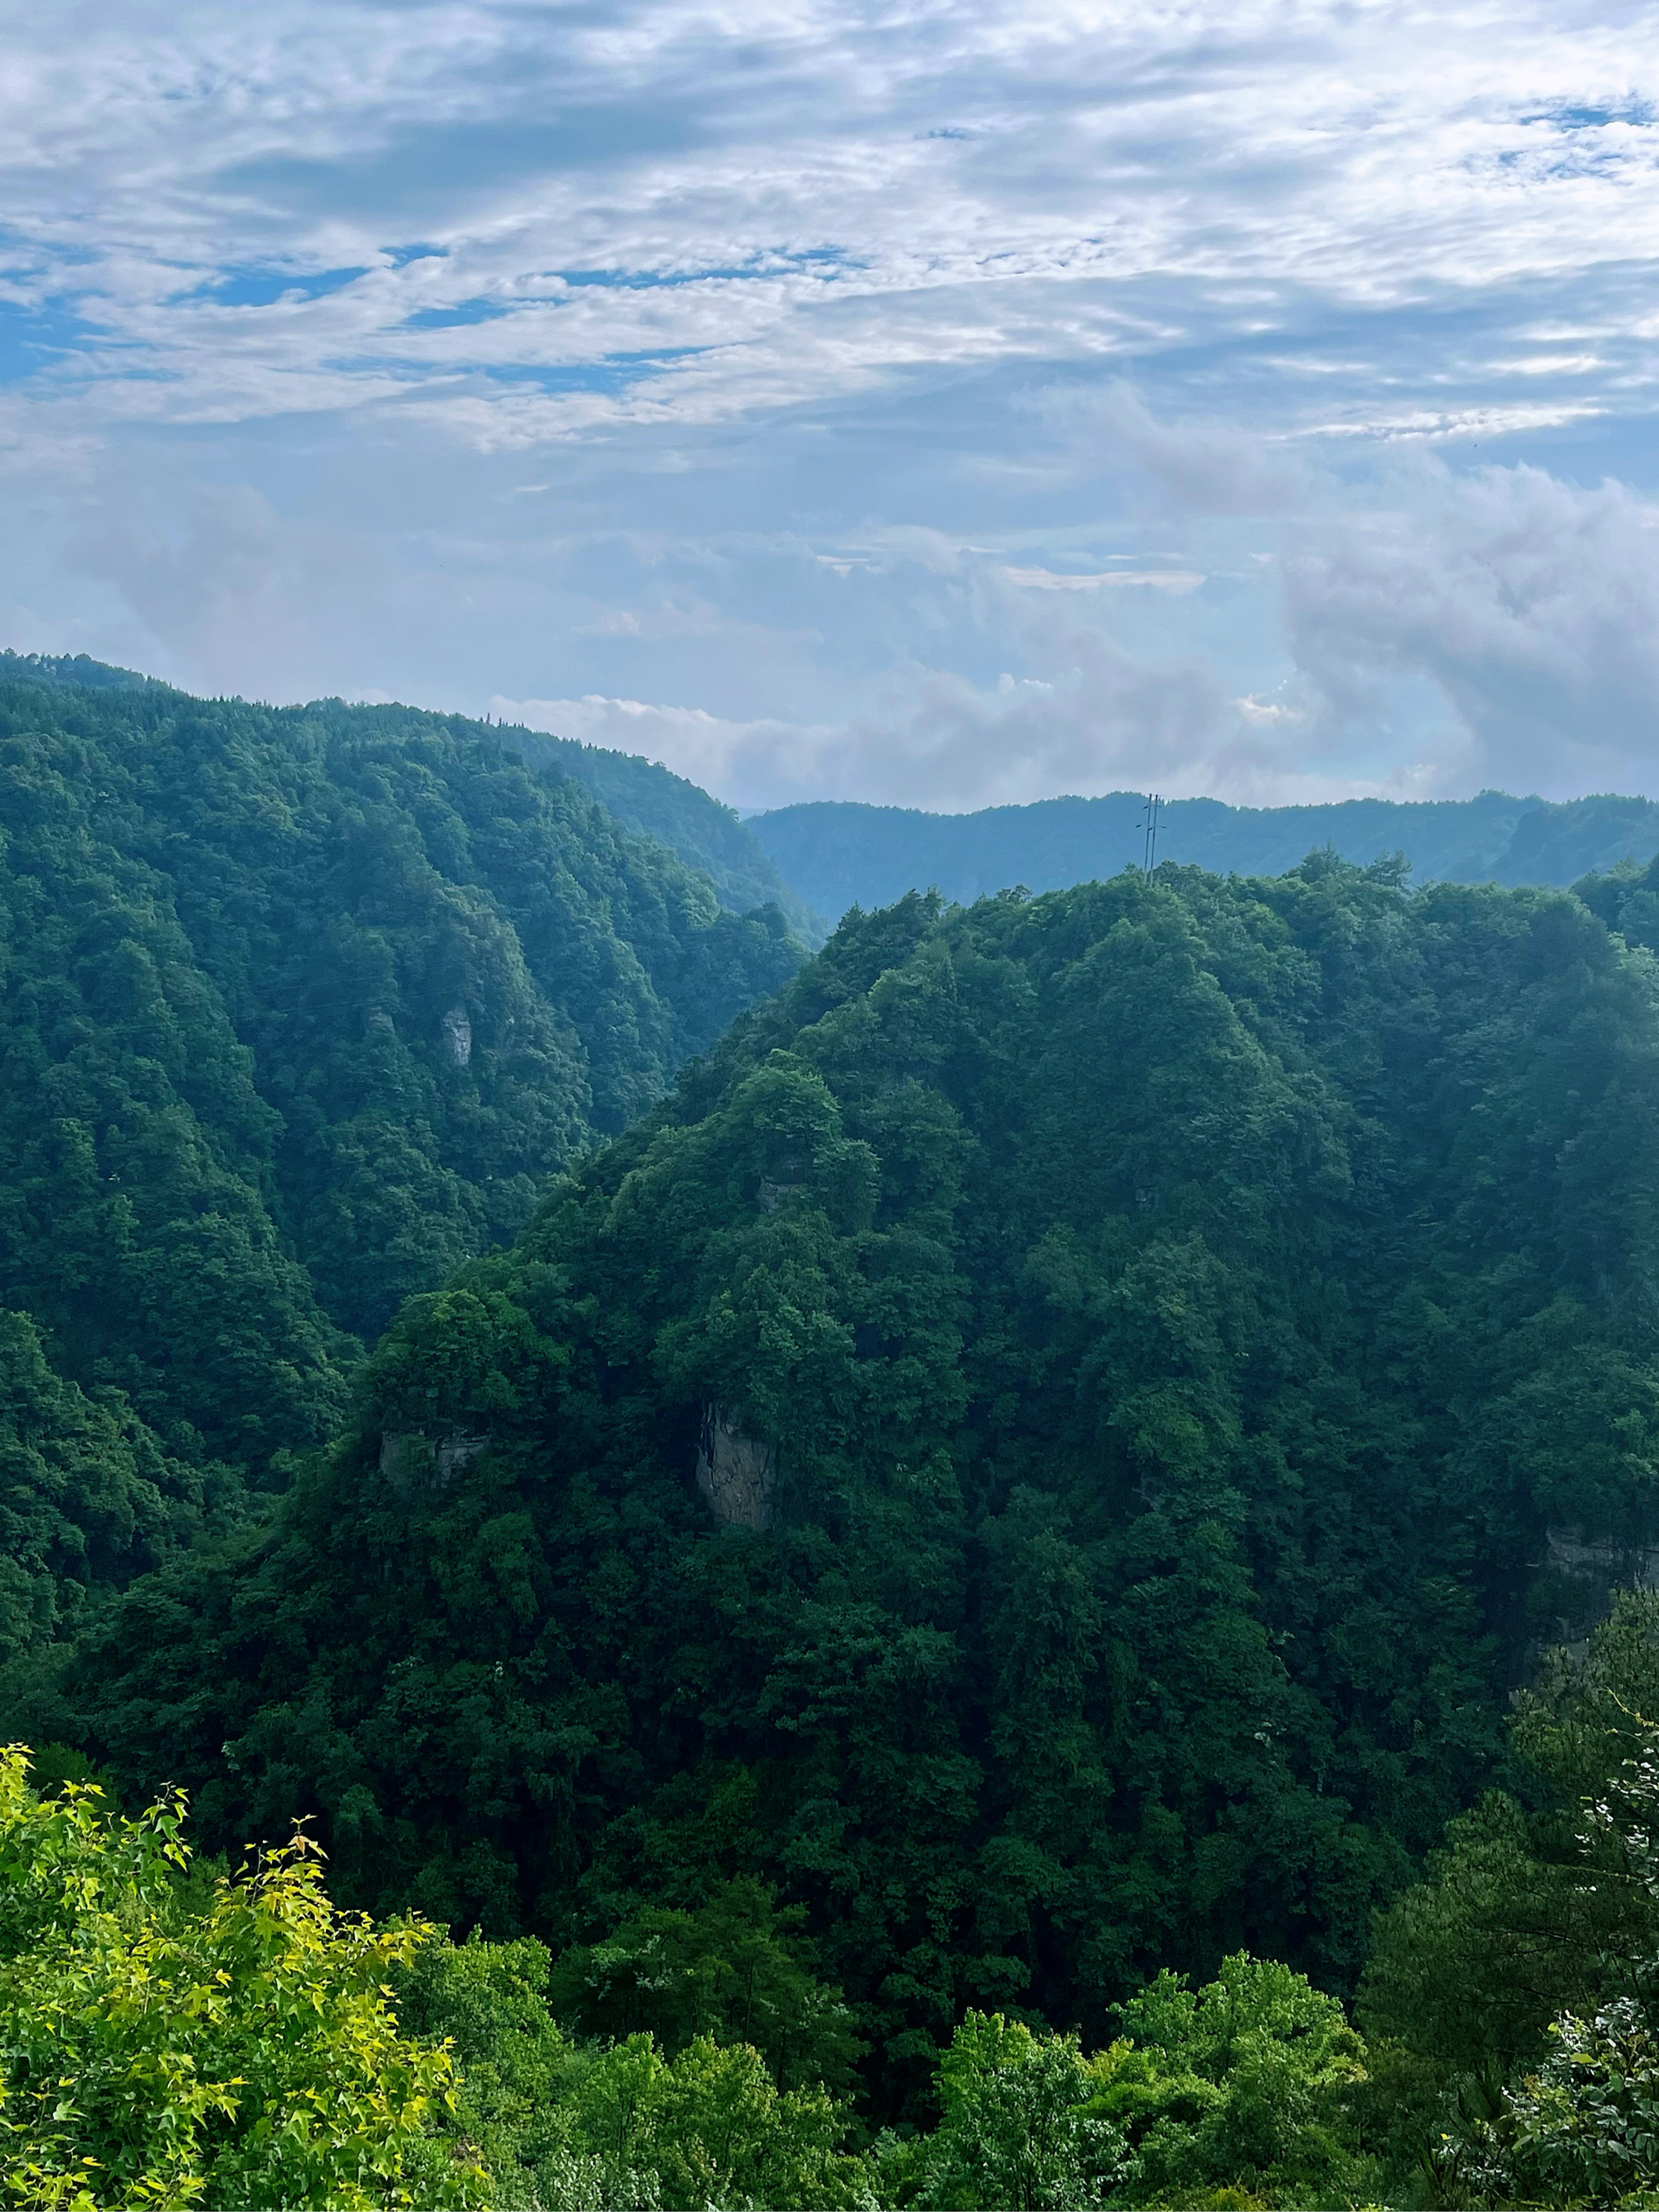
764, 204
811, 367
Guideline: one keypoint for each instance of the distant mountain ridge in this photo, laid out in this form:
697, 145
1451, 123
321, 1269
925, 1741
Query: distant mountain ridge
78, 668
643, 794
834, 853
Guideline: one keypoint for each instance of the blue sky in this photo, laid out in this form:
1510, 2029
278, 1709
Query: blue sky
863, 398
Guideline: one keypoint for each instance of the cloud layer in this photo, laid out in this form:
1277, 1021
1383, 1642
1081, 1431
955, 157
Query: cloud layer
940, 405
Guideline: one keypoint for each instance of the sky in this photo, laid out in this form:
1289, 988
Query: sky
939, 404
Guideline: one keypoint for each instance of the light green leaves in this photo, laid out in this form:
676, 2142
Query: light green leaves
160, 2052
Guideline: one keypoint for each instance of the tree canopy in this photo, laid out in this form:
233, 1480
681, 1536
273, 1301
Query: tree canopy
985, 1570
299, 1009
1046, 1453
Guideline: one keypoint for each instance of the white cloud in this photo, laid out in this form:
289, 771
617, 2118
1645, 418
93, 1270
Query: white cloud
935, 740
786, 201
1533, 605
804, 367
1496, 626
1159, 580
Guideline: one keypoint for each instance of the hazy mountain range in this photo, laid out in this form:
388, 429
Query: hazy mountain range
834, 855
814, 861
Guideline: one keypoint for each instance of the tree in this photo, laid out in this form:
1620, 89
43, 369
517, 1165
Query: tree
1017, 2130
1251, 2083
590, 2126
173, 2041
1532, 1908
1509, 1998
1585, 2124
1584, 2128
731, 1971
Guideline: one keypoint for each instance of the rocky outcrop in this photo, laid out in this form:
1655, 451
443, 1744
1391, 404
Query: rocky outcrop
1600, 1566
789, 1175
410, 1458
455, 1450
457, 1035
406, 1457
736, 1471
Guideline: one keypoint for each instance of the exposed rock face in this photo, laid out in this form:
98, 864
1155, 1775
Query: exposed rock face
790, 1176
405, 1457
457, 1448
457, 1035
408, 1456
735, 1471
1602, 1566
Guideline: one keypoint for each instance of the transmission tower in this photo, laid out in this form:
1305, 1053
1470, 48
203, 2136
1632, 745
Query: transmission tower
1148, 840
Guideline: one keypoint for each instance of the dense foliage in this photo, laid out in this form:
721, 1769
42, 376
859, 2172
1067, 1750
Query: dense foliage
650, 798
1041, 1455
838, 853
171, 2035
643, 794
298, 1011
87, 1497
1626, 897
232, 2046
175, 2035
959, 1587
572, 2123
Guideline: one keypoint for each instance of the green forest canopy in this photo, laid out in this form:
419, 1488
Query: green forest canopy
175, 2032
299, 1010
643, 794
1036, 1470
651, 800
1041, 1454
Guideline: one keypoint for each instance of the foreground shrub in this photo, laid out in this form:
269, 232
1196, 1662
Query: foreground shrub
169, 2040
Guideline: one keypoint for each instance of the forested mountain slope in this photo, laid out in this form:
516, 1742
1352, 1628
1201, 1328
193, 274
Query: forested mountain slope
1042, 1449
299, 1010
835, 856
643, 795
646, 797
